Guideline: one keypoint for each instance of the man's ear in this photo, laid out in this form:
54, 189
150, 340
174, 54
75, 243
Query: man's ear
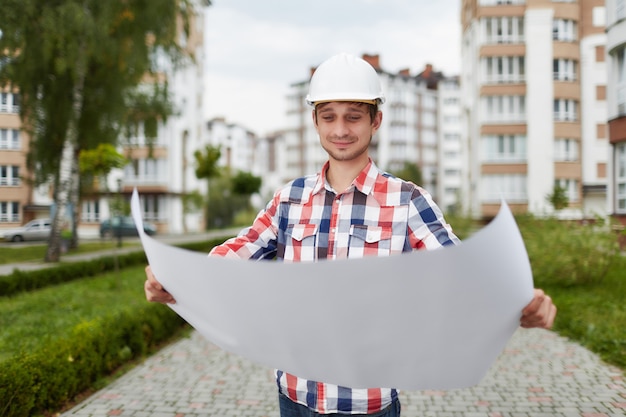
314, 116
377, 120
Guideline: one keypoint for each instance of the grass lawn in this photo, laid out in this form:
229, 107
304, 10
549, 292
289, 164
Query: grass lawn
595, 314
31, 319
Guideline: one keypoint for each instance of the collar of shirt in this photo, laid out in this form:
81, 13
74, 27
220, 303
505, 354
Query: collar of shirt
365, 182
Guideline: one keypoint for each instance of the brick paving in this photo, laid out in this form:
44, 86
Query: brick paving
538, 375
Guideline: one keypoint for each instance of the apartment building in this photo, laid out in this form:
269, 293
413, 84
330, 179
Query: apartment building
452, 150
534, 100
410, 130
15, 193
163, 171
616, 95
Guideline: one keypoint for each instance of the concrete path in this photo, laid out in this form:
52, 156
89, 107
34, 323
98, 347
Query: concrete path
538, 375
129, 244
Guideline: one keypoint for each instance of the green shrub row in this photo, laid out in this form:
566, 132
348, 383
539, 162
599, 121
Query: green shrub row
21, 281
569, 253
50, 376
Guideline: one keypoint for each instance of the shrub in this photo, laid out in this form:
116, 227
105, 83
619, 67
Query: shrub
568, 253
50, 376
20, 281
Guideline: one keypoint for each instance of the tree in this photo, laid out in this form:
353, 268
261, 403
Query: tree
96, 164
558, 198
410, 172
78, 65
207, 168
245, 183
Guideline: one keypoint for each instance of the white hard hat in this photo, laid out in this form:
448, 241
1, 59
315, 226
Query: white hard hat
345, 77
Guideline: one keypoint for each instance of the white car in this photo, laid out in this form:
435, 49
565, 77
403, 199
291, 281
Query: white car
38, 229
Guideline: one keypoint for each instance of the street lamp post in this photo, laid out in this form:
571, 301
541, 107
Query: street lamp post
119, 212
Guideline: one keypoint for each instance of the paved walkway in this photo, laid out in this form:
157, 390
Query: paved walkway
130, 244
539, 374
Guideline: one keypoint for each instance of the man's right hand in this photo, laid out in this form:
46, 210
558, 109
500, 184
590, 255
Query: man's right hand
155, 291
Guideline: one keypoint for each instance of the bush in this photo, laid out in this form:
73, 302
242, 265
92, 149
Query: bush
53, 374
63, 359
21, 281
568, 253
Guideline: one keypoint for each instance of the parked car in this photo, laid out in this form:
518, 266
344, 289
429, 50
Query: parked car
123, 226
38, 229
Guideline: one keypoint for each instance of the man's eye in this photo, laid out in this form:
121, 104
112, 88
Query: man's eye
354, 117
327, 118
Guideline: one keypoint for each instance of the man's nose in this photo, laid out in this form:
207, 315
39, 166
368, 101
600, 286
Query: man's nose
341, 128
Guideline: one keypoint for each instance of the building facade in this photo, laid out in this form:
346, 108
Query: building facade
16, 206
616, 95
534, 100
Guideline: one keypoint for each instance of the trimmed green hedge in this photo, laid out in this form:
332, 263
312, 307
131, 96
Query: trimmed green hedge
52, 375
21, 281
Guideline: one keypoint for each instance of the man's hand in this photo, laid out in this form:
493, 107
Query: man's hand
155, 291
540, 312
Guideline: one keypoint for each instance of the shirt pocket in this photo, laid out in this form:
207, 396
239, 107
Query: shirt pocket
369, 240
301, 242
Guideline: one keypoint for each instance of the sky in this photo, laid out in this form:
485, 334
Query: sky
255, 49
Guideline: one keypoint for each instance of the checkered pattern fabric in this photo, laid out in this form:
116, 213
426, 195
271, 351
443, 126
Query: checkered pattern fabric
379, 215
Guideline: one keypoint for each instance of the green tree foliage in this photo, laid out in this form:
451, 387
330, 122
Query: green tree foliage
410, 172
244, 183
207, 168
558, 198
206, 162
77, 65
100, 160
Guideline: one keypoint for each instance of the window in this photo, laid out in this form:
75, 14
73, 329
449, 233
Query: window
511, 187
146, 170
565, 150
9, 175
9, 212
91, 211
16, 103
9, 103
152, 205
564, 69
620, 9
500, 2
510, 109
452, 137
503, 29
10, 139
620, 58
504, 69
571, 188
565, 110
504, 148
620, 174
564, 30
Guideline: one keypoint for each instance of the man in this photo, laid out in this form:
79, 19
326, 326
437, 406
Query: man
350, 209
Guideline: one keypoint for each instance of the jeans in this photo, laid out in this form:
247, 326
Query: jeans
290, 408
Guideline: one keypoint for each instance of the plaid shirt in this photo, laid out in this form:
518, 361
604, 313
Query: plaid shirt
379, 215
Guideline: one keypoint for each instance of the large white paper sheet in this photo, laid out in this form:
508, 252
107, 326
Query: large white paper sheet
422, 320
